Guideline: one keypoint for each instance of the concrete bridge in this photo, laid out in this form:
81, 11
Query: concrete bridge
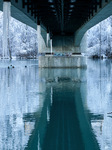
60, 24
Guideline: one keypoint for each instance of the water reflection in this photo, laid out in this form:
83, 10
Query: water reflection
55, 109
62, 129
19, 99
99, 100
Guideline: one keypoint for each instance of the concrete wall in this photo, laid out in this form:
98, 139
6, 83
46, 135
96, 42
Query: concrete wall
62, 62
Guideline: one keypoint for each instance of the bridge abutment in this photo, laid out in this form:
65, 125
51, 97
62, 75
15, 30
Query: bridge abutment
61, 53
62, 61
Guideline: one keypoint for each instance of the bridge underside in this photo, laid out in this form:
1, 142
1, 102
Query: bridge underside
63, 21
61, 18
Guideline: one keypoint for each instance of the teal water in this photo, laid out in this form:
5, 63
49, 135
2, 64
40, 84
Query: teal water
55, 109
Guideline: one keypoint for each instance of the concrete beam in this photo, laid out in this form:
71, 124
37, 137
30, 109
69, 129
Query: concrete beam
103, 13
20, 14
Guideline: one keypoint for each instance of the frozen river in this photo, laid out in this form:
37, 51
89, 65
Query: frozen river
55, 109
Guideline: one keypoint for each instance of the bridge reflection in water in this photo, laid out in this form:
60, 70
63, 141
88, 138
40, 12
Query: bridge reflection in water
63, 123
43, 108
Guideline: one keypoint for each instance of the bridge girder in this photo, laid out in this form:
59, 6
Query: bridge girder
63, 17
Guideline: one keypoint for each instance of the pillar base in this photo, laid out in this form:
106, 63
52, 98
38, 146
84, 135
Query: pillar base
62, 62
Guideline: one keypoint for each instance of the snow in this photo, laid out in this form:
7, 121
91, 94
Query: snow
24, 39
100, 36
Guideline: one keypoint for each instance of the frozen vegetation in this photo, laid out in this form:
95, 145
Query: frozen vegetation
23, 43
99, 39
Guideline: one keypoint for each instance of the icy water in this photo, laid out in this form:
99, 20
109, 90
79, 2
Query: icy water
55, 109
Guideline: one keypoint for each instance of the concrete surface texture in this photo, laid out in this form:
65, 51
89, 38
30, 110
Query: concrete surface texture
64, 44
62, 62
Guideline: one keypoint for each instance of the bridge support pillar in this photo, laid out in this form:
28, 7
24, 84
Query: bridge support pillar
48, 40
62, 53
6, 21
51, 46
51, 61
43, 40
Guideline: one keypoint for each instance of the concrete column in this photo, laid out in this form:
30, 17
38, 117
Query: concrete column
47, 39
6, 21
51, 46
42, 39
83, 45
39, 37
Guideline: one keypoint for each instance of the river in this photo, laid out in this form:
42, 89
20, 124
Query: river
55, 109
